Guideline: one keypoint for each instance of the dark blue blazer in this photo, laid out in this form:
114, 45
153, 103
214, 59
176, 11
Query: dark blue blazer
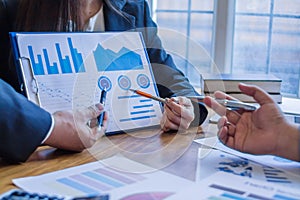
23, 125
169, 79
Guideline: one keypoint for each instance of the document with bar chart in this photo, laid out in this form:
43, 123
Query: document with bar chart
224, 186
104, 177
68, 71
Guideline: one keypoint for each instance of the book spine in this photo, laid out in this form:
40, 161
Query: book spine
232, 86
248, 99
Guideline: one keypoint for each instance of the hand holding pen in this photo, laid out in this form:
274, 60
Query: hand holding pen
178, 111
102, 101
262, 131
178, 114
228, 103
150, 96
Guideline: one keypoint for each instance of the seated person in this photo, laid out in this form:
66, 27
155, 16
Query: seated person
263, 131
25, 126
107, 15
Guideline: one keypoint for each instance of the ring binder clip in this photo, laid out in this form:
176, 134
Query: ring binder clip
29, 86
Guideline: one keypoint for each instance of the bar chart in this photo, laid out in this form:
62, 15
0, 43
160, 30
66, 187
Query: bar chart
97, 181
117, 176
71, 69
41, 61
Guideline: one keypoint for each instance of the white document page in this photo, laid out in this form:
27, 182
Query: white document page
117, 176
221, 186
289, 166
71, 69
219, 161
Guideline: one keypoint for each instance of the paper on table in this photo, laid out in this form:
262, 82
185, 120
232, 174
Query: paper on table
217, 161
222, 185
286, 165
103, 177
290, 106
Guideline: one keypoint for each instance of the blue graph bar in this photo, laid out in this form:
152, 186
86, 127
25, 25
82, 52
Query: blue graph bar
143, 106
52, 69
76, 57
36, 66
65, 63
101, 178
137, 118
281, 197
232, 196
145, 100
127, 97
77, 186
125, 59
142, 112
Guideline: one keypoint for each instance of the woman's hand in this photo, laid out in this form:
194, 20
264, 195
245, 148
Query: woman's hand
178, 114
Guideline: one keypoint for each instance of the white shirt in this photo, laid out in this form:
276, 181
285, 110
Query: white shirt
96, 23
50, 130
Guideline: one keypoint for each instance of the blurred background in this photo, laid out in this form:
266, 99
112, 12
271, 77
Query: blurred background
239, 36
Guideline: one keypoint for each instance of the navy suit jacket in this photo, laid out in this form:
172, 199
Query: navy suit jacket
169, 79
23, 125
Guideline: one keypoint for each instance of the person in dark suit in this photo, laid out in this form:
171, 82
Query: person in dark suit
108, 15
25, 126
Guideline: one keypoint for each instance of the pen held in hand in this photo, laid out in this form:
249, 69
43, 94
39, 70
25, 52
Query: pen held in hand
236, 105
144, 94
102, 101
231, 104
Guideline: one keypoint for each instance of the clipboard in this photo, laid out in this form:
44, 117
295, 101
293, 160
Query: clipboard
60, 71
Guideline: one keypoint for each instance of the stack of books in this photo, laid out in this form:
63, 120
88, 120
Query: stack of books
229, 83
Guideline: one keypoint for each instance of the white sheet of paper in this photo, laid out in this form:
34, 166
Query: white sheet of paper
216, 161
288, 166
71, 69
106, 177
221, 186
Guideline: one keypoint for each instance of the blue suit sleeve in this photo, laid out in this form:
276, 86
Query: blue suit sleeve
23, 125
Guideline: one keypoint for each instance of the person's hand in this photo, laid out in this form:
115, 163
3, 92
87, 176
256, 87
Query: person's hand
72, 130
178, 114
263, 131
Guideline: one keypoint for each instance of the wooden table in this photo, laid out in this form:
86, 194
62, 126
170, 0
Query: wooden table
172, 152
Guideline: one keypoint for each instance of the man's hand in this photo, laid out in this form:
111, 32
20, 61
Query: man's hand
72, 130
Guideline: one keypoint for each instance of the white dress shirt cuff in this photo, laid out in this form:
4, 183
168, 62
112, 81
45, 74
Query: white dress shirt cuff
50, 130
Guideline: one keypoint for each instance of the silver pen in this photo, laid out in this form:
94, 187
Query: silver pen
232, 104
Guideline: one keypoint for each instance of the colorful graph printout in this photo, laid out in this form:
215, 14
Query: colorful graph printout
69, 70
216, 161
100, 178
288, 166
225, 186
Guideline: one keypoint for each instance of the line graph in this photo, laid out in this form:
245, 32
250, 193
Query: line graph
125, 59
71, 69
